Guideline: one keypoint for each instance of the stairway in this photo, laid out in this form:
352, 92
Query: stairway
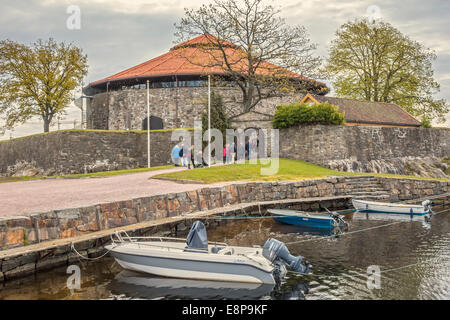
368, 188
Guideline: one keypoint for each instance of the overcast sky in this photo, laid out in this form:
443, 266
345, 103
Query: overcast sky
118, 34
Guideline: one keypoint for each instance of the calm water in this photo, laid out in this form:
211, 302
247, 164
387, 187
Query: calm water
414, 258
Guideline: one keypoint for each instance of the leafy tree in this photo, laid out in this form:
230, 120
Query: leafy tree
38, 80
376, 62
219, 118
250, 45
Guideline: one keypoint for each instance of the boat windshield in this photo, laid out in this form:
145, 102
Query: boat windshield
197, 237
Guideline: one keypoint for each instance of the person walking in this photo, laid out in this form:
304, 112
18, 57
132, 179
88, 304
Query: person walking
184, 154
232, 152
176, 155
191, 156
228, 154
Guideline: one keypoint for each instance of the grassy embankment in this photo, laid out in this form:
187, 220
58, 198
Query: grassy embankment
289, 170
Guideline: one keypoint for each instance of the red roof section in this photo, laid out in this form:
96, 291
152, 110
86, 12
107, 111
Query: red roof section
188, 58
361, 111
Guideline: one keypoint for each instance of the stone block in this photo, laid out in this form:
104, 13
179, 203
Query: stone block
50, 262
15, 237
20, 271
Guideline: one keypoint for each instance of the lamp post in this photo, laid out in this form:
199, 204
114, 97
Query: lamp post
148, 124
209, 121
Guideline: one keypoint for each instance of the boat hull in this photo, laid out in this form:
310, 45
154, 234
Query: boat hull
235, 270
392, 208
292, 217
307, 222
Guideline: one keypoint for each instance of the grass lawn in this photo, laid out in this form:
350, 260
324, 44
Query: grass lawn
114, 173
15, 179
87, 175
289, 170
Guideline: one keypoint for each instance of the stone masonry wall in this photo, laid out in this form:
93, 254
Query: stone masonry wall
178, 107
366, 148
79, 151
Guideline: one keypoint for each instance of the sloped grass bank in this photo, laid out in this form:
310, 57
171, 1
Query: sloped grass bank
289, 170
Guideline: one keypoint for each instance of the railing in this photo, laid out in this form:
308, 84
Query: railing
121, 237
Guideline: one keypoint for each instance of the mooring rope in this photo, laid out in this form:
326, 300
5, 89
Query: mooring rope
87, 258
344, 233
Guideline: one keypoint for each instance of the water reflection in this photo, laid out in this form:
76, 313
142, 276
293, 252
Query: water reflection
136, 285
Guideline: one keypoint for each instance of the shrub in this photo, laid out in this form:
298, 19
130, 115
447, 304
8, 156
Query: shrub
295, 114
425, 123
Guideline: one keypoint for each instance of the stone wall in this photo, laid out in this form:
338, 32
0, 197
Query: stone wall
367, 149
178, 107
81, 151
59, 224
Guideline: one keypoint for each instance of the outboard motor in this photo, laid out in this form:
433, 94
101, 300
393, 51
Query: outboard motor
427, 206
276, 251
197, 238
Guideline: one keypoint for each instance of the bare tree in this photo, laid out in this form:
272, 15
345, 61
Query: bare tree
248, 43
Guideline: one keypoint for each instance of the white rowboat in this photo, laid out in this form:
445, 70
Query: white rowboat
382, 207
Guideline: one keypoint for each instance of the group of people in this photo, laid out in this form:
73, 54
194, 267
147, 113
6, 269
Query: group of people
185, 156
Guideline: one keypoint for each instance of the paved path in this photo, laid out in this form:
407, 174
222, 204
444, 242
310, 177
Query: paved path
18, 198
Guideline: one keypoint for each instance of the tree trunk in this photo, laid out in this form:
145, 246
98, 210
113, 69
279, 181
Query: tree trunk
46, 124
249, 97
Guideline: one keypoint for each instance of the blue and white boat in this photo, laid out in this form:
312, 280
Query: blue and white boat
300, 218
394, 208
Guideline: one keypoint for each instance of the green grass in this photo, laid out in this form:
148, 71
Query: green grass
289, 170
86, 175
94, 131
16, 179
114, 173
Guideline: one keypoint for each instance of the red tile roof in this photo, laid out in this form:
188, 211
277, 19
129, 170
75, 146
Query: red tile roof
361, 111
185, 59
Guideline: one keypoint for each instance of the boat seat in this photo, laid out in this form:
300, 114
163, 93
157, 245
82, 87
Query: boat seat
216, 249
226, 251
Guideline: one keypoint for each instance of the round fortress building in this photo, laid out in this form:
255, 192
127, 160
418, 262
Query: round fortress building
178, 93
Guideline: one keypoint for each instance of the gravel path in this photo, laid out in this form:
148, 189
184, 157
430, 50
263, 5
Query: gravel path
18, 198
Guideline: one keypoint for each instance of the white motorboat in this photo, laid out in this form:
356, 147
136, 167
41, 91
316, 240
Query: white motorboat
382, 207
196, 258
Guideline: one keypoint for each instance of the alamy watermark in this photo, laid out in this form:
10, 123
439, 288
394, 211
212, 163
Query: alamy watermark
74, 280
373, 277
373, 13
73, 22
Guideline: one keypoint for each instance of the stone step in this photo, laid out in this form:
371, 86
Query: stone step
356, 180
370, 193
372, 197
354, 186
364, 184
368, 189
